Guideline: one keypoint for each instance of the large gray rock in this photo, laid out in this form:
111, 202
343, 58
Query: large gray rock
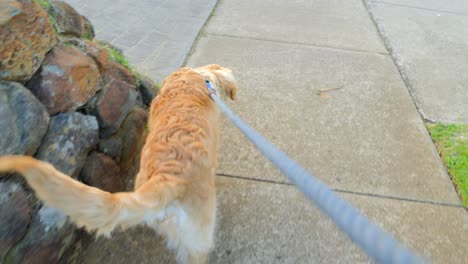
23, 120
67, 79
15, 215
148, 90
112, 147
95, 51
120, 72
69, 139
102, 172
49, 235
25, 37
112, 105
88, 29
132, 133
126, 143
67, 20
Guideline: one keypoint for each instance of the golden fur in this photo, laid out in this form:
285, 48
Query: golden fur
174, 189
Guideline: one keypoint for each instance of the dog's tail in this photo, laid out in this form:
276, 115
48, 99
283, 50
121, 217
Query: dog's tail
91, 207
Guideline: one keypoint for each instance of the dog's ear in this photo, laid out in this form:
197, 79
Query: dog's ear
226, 80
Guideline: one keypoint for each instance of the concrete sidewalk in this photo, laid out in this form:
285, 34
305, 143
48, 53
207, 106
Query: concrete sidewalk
365, 139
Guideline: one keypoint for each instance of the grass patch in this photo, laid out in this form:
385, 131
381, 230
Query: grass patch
47, 6
138, 81
115, 55
87, 36
139, 78
44, 4
452, 142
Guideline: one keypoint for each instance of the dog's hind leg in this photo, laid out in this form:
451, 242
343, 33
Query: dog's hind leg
201, 242
196, 243
190, 234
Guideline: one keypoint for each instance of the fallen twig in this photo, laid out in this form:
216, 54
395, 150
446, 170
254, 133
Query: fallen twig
324, 90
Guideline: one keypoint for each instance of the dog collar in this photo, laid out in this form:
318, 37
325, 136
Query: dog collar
211, 90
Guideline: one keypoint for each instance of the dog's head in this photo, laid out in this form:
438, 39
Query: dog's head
221, 79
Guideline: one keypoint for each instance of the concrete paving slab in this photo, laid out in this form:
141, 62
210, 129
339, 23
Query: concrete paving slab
271, 223
438, 233
255, 226
336, 23
430, 48
452, 6
147, 30
366, 136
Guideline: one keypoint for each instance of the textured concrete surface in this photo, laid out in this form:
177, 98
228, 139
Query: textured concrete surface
367, 136
154, 35
430, 48
256, 227
336, 23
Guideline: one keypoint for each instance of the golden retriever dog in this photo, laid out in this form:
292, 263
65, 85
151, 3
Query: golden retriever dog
175, 186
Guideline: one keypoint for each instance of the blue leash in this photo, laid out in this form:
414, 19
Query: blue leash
378, 244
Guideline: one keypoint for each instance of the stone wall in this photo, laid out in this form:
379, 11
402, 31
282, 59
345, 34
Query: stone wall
65, 99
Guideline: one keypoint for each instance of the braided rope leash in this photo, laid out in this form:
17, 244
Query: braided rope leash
378, 244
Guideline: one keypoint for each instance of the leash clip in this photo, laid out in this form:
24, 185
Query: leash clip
211, 90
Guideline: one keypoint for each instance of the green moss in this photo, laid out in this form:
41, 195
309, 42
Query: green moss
87, 36
117, 56
138, 81
44, 4
141, 76
47, 6
452, 142
68, 44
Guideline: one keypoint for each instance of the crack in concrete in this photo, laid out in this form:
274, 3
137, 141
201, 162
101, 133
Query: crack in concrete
395, 58
375, 195
299, 44
420, 8
399, 66
201, 33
